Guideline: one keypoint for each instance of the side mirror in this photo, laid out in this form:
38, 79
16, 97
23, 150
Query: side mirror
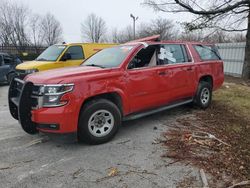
66, 57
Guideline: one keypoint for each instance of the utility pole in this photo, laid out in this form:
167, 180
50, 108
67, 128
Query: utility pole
134, 20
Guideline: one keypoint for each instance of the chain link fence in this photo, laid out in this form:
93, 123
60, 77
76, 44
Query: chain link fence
23, 52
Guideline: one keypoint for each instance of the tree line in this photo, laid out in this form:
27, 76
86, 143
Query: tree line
94, 29
19, 27
215, 21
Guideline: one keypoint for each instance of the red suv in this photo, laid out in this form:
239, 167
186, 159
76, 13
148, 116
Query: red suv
120, 83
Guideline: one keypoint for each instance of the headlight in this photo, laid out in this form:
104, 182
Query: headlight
52, 94
30, 71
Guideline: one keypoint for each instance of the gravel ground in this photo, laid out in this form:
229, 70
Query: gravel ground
59, 161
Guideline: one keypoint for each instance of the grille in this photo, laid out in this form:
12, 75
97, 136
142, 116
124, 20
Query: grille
17, 88
21, 73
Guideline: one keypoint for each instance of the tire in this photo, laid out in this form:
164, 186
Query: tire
203, 95
99, 121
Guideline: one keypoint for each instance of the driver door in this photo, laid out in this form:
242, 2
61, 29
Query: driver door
146, 84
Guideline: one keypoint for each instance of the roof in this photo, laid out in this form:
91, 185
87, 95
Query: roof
4, 53
78, 43
155, 39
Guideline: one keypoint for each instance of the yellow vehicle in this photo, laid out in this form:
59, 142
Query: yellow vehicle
60, 55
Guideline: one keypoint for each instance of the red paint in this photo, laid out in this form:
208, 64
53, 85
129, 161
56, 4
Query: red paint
139, 89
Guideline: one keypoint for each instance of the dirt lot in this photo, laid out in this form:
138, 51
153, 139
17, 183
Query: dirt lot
217, 139
141, 155
132, 159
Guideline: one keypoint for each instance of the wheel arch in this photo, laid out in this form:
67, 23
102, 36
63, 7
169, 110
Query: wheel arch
208, 79
111, 96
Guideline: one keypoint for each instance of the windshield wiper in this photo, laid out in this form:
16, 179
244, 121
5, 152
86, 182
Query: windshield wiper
94, 65
41, 59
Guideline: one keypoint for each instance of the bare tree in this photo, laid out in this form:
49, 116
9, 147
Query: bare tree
5, 23
13, 22
51, 29
123, 35
36, 33
93, 28
238, 37
160, 26
191, 36
227, 15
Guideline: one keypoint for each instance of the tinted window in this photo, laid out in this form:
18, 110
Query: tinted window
174, 53
109, 57
207, 52
1, 60
7, 60
18, 61
75, 52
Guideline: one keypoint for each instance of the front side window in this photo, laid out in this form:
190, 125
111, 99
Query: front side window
146, 57
109, 57
1, 60
51, 53
75, 52
7, 60
207, 52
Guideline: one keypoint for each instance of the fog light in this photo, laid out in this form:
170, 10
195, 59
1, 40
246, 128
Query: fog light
53, 98
48, 126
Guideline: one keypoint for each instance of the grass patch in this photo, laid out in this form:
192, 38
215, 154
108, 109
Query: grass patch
235, 96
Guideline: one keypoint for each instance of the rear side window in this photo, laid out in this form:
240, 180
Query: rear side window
175, 53
76, 52
207, 52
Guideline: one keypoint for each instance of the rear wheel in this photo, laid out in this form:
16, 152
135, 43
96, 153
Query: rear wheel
99, 122
203, 96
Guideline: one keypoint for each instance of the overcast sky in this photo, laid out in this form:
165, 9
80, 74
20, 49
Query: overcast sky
116, 13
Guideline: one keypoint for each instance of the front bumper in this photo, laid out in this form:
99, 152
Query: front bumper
22, 106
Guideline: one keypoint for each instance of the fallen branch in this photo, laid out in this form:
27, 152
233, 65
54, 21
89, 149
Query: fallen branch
77, 173
240, 184
209, 136
204, 178
7, 167
176, 161
123, 142
117, 174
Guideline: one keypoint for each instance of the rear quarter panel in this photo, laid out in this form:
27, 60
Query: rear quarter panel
213, 68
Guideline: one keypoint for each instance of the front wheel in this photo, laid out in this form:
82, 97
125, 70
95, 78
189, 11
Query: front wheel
203, 96
99, 122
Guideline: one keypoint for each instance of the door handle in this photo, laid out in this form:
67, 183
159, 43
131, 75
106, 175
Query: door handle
162, 73
189, 69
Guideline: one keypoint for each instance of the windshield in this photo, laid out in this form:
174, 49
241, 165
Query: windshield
109, 57
51, 53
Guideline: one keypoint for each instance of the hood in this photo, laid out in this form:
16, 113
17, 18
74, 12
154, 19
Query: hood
33, 64
67, 74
